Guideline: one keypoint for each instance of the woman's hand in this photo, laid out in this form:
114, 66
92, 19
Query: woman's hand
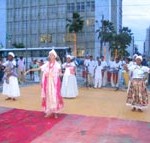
25, 73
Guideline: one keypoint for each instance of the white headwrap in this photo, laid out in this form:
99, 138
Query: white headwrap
53, 52
69, 56
139, 57
134, 56
11, 54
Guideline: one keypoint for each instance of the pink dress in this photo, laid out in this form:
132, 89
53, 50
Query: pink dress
52, 101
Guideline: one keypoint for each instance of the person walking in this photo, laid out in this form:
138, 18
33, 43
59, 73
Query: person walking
10, 85
52, 101
69, 83
137, 96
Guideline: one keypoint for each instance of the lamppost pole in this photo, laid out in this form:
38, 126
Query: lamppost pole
101, 41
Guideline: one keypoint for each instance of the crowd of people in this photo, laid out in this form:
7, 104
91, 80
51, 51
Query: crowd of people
132, 72
58, 80
101, 73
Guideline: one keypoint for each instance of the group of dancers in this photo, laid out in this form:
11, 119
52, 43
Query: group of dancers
52, 91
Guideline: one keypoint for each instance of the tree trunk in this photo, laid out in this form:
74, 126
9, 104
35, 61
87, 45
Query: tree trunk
75, 45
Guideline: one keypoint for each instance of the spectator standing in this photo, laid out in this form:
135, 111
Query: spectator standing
98, 75
36, 73
21, 70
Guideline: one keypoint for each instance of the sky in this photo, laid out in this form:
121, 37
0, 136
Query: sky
136, 16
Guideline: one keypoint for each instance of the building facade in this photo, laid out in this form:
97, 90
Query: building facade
147, 43
42, 23
2, 23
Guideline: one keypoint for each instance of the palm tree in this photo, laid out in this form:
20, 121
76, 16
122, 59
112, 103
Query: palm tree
123, 40
118, 43
75, 25
106, 33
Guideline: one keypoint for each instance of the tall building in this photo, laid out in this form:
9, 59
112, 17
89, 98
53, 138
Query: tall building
42, 23
2, 23
147, 43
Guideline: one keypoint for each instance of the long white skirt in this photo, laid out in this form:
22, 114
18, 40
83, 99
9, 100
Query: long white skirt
11, 89
69, 87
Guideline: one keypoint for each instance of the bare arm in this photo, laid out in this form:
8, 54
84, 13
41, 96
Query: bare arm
33, 70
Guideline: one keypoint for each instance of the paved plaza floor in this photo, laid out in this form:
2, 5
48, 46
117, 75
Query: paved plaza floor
105, 102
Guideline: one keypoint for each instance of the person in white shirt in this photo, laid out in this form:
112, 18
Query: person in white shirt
85, 65
126, 74
137, 93
98, 75
21, 70
115, 70
104, 71
90, 68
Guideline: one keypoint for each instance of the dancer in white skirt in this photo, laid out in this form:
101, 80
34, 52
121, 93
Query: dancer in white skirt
10, 85
69, 84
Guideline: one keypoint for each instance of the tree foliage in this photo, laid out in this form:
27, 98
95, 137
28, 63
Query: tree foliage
106, 31
75, 24
18, 45
118, 42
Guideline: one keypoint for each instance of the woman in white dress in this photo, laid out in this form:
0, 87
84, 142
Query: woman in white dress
10, 85
69, 84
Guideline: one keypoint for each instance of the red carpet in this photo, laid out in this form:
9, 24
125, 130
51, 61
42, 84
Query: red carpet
20, 126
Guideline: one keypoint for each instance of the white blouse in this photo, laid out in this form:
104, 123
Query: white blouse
138, 71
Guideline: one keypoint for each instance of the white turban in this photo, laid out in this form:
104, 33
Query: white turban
139, 57
68, 56
134, 56
53, 52
11, 54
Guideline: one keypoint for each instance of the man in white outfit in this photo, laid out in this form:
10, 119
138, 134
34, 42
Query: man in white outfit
98, 75
104, 71
90, 67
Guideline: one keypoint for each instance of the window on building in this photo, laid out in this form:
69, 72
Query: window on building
70, 7
43, 2
61, 23
34, 27
80, 6
18, 14
24, 27
10, 15
34, 41
18, 3
10, 3
34, 2
43, 12
10, 28
90, 5
24, 13
34, 13
26, 3
43, 26
61, 9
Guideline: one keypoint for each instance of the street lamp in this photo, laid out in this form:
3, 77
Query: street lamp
101, 29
